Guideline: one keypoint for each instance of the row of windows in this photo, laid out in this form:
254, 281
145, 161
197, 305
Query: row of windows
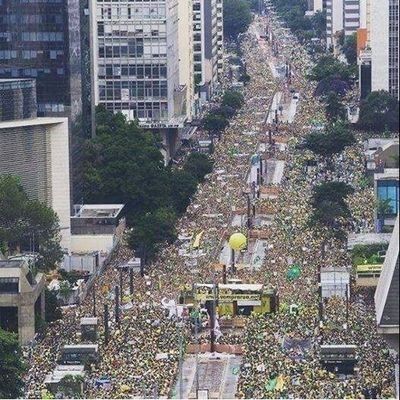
138, 71
42, 36
9, 285
29, 72
31, 19
129, 12
30, 54
140, 113
51, 107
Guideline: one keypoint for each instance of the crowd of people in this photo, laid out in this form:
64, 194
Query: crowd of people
142, 355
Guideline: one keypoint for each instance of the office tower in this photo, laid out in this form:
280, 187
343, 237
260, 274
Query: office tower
220, 37
36, 150
138, 65
334, 21
186, 60
207, 43
351, 17
387, 293
385, 46
364, 52
43, 40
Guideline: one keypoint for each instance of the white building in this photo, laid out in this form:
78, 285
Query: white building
186, 60
385, 46
351, 17
207, 45
36, 150
387, 293
138, 65
334, 20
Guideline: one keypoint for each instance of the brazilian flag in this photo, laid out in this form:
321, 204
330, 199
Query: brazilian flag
270, 386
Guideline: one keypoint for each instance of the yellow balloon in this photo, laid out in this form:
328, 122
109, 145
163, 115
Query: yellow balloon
238, 241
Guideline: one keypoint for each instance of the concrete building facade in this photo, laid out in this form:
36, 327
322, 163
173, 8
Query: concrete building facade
138, 65
37, 151
351, 17
22, 297
387, 293
207, 45
385, 46
334, 21
186, 60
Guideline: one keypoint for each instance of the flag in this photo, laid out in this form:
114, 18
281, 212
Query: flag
280, 382
270, 386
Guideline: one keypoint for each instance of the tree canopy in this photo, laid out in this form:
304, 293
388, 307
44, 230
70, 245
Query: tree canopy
237, 18
11, 366
23, 219
332, 141
329, 66
350, 49
335, 110
379, 111
330, 208
233, 98
123, 164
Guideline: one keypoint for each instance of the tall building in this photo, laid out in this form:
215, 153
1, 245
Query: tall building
186, 60
387, 293
43, 40
36, 150
138, 65
351, 16
208, 45
385, 46
334, 21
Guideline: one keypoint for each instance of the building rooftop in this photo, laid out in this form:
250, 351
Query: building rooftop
12, 263
98, 210
32, 121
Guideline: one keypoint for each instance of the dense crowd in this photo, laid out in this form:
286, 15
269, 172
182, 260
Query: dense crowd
141, 357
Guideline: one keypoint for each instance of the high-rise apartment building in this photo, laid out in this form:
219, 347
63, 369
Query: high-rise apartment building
351, 16
334, 21
186, 60
138, 65
385, 46
207, 45
43, 40
36, 150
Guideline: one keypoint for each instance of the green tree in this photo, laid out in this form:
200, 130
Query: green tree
332, 141
65, 290
11, 366
123, 164
183, 186
379, 111
329, 207
53, 310
214, 124
198, 165
329, 66
152, 229
335, 110
237, 18
22, 220
350, 49
233, 98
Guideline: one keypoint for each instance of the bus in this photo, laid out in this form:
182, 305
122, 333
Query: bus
367, 275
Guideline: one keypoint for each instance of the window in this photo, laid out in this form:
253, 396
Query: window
9, 285
389, 190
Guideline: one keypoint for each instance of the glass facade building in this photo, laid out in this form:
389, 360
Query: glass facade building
42, 39
394, 48
17, 99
